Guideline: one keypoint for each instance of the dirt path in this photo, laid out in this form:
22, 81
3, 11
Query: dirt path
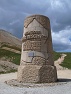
62, 74
8, 76
59, 61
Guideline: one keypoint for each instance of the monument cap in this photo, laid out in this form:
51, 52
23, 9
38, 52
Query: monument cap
43, 20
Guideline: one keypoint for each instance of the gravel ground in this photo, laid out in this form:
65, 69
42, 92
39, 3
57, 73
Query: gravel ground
59, 89
8, 76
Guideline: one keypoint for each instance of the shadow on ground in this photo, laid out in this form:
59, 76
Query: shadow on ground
64, 80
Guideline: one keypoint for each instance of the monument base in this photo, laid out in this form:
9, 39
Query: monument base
37, 74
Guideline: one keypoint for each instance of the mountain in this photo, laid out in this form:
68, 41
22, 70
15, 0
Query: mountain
10, 49
9, 42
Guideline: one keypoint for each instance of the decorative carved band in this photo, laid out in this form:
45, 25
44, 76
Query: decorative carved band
37, 37
39, 61
32, 32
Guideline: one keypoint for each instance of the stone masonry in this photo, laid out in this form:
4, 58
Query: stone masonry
37, 65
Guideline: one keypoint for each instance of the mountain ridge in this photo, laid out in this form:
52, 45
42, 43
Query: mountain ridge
7, 40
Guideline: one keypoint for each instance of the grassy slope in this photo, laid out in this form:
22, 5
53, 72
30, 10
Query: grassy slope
11, 56
56, 55
67, 62
15, 58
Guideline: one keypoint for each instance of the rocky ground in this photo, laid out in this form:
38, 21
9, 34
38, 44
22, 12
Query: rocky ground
59, 89
6, 66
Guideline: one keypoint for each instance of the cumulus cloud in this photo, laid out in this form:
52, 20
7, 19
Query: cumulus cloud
62, 40
13, 13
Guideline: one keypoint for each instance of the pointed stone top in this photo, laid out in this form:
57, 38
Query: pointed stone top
43, 20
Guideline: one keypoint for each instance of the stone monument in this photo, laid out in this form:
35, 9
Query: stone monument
37, 65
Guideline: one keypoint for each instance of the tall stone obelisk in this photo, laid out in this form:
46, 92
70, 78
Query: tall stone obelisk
37, 65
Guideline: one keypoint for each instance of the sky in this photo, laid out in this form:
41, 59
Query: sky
13, 13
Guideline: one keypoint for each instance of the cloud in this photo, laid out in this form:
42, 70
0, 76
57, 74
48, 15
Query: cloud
62, 40
13, 22
13, 13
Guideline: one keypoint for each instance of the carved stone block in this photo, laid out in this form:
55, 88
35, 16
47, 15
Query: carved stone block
37, 63
37, 74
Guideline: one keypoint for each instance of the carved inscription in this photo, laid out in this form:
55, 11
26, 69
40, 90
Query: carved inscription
32, 45
33, 36
32, 32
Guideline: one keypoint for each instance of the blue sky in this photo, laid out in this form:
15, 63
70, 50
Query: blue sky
13, 13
